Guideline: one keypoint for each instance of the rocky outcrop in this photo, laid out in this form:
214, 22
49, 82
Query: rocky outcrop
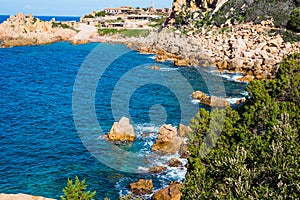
210, 100
23, 30
171, 192
245, 48
122, 131
141, 187
167, 140
21, 197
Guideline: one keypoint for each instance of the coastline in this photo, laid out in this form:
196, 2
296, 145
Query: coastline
245, 48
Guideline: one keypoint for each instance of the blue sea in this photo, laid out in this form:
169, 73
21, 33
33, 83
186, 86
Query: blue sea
46, 18
58, 100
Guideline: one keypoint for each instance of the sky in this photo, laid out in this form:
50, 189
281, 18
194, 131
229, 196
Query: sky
71, 7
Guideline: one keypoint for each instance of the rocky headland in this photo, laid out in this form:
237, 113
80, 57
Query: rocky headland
24, 30
21, 197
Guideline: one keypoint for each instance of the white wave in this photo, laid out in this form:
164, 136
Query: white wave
153, 57
195, 101
245, 93
231, 77
168, 69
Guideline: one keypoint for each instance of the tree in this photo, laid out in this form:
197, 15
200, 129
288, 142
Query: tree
294, 22
77, 191
257, 154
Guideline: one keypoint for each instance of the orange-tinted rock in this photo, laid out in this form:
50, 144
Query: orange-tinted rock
21, 197
174, 162
141, 187
157, 169
167, 140
122, 131
171, 192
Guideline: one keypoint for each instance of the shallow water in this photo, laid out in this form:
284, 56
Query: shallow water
47, 90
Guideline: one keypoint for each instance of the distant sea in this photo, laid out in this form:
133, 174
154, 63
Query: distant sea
40, 147
46, 18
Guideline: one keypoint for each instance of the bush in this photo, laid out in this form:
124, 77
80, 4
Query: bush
77, 191
294, 22
100, 14
257, 153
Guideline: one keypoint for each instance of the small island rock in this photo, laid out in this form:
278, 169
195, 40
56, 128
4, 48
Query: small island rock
122, 131
167, 140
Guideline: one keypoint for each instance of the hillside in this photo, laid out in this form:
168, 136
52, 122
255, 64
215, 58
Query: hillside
193, 14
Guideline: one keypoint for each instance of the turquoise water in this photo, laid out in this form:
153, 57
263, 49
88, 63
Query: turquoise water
47, 134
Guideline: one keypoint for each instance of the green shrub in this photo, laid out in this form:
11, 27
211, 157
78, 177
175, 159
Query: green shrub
100, 14
77, 191
107, 31
294, 22
256, 155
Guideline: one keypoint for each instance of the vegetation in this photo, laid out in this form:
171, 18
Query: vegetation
100, 14
124, 32
158, 22
257, 153
77, 191
294, 22
256, 11
287, 35
89, 16
59, 24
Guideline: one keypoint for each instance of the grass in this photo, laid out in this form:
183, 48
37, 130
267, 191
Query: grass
124, 32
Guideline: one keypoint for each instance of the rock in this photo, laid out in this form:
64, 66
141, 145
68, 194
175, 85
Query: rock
122, 131
236, 63
184, 151
210, 101
246, 78
277, 42
155, 67
171, 192
167, 140
222, 64
174, 50
218, 102
199, 95
270, 61
174, 162
23, 30
141, 187
157, 169
182, 130
240, 102
76, 42
21, 197
166, 133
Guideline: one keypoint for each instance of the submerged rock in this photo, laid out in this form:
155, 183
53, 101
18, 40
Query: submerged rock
171, 192
167, 140
155, 67
141, 187
122, 131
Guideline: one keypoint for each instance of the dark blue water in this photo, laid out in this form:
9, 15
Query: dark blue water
46, 18
46, 90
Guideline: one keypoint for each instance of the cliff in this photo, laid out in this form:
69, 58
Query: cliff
22, 30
